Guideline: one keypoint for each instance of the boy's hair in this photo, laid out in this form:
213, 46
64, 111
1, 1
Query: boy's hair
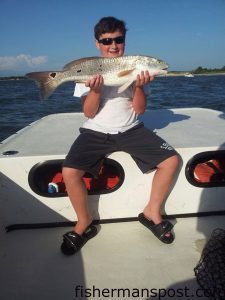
109, 25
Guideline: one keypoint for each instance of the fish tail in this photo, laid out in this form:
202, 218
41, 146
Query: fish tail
47, 82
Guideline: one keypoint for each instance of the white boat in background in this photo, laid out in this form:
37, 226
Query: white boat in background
188, 75
124, 254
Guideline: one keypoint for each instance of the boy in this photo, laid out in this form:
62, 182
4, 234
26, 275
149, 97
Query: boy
113, 125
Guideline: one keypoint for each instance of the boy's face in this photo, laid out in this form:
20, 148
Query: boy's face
115, 48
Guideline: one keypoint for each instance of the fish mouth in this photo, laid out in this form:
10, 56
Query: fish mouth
164, 67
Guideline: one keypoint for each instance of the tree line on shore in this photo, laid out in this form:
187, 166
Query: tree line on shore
201, 70
12, 78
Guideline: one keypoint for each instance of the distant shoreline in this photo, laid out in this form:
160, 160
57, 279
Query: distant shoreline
169, 74
13, 78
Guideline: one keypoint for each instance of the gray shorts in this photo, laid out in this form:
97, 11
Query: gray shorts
90, 148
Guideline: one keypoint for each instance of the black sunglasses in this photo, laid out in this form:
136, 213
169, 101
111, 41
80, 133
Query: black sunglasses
109, 41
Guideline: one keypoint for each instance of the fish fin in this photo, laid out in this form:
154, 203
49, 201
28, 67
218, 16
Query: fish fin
124, 73
73, 63
123, 87
47, 82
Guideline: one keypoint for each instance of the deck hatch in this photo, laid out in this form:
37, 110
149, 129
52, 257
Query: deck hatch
206, 169
110, 178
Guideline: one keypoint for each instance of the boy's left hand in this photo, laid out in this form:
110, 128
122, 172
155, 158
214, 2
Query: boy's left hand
143, 78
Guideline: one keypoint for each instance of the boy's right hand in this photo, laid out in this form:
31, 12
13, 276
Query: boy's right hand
95, 83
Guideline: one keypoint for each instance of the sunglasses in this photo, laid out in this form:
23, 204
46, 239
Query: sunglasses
109, 41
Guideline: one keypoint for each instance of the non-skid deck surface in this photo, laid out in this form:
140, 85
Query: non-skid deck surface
124, 261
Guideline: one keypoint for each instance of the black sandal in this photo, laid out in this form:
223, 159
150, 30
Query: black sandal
159, 230
73, 242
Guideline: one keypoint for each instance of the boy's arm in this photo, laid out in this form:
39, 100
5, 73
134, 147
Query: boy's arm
139, 98
92, 100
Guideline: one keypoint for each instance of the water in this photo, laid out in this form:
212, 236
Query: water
20, 104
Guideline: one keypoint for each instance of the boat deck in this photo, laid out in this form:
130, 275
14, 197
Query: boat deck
182, 128
124, 260
121, 256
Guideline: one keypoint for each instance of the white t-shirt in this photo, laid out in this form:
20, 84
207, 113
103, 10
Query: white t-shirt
115, 114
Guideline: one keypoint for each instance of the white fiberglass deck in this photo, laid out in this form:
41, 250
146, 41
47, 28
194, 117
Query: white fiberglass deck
122, 256
182, 128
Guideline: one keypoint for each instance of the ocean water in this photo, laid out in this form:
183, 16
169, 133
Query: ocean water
20, 104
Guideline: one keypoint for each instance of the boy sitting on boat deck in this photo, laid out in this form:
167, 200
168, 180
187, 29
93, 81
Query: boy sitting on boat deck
113, 125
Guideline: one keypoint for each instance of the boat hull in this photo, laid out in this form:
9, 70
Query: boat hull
21, 204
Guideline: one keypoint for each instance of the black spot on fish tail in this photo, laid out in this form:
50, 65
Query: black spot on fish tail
53, 75
78, 71
47, 82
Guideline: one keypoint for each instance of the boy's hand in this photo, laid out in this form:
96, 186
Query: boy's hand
95, 84
143, 79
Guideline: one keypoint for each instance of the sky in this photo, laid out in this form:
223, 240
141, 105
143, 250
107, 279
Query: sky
47, 34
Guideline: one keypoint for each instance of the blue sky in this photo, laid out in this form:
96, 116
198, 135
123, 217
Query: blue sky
47, 34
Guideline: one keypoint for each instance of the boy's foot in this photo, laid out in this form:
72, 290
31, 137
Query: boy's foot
162, 230
73, 242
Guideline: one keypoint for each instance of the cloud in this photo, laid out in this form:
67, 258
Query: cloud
20, 61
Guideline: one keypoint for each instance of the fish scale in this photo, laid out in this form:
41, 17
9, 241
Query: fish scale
103, 65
